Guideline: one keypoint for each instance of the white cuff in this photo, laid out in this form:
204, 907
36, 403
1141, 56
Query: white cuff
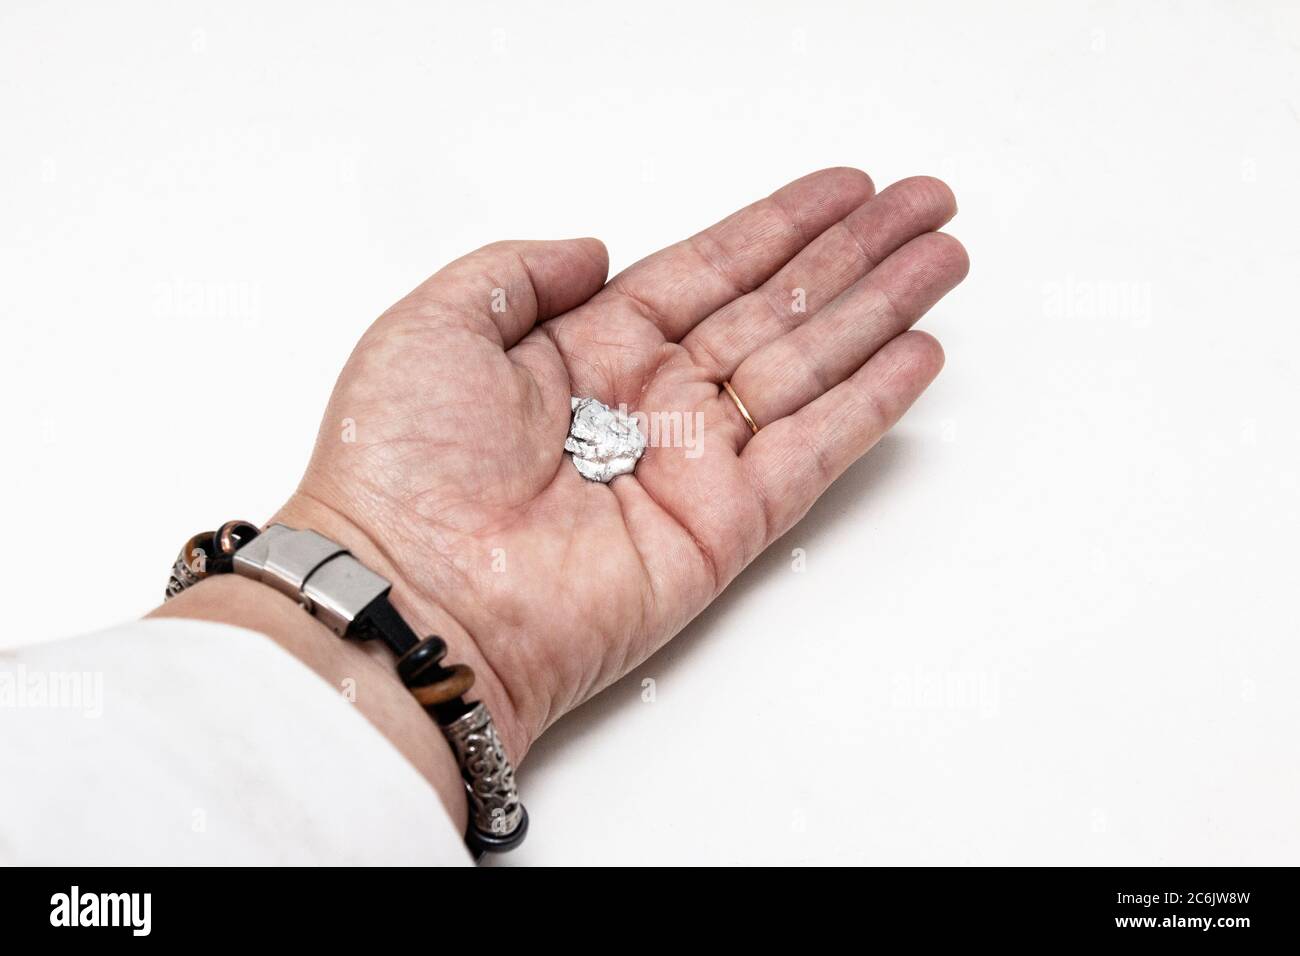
172, 741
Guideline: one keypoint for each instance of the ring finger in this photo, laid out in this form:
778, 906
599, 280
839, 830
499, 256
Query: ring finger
797, 368
831, 263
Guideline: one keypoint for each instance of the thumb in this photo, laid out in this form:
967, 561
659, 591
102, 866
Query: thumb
502, 290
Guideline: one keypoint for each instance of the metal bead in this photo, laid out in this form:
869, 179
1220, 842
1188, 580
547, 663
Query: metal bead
233, 535
497, 819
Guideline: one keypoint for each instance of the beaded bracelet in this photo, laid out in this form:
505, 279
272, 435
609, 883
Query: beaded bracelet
337, 589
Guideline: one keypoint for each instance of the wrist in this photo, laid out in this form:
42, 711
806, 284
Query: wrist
421, 611
354, 669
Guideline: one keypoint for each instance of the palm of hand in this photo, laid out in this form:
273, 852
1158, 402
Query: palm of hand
444, 438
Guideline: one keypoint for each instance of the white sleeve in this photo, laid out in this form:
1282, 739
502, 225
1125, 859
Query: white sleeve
172, 741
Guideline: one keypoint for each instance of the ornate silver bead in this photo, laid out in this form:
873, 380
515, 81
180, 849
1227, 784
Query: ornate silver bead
489, 778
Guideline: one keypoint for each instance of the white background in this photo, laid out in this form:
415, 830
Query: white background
1051, 619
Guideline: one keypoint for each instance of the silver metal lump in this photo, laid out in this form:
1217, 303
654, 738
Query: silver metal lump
604, 443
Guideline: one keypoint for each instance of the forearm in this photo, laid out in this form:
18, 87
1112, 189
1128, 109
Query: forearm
355, 669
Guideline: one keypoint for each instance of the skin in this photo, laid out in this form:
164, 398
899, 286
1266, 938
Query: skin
453, 482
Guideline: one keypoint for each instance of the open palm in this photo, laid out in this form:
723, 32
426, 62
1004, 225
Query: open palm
441, 455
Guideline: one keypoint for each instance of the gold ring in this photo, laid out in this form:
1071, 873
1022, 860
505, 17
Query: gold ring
740, 406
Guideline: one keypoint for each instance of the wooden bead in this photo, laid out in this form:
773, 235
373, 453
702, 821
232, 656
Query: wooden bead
196, 554
459, 679
416, 662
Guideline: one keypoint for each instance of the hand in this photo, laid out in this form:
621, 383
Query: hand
440, 460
